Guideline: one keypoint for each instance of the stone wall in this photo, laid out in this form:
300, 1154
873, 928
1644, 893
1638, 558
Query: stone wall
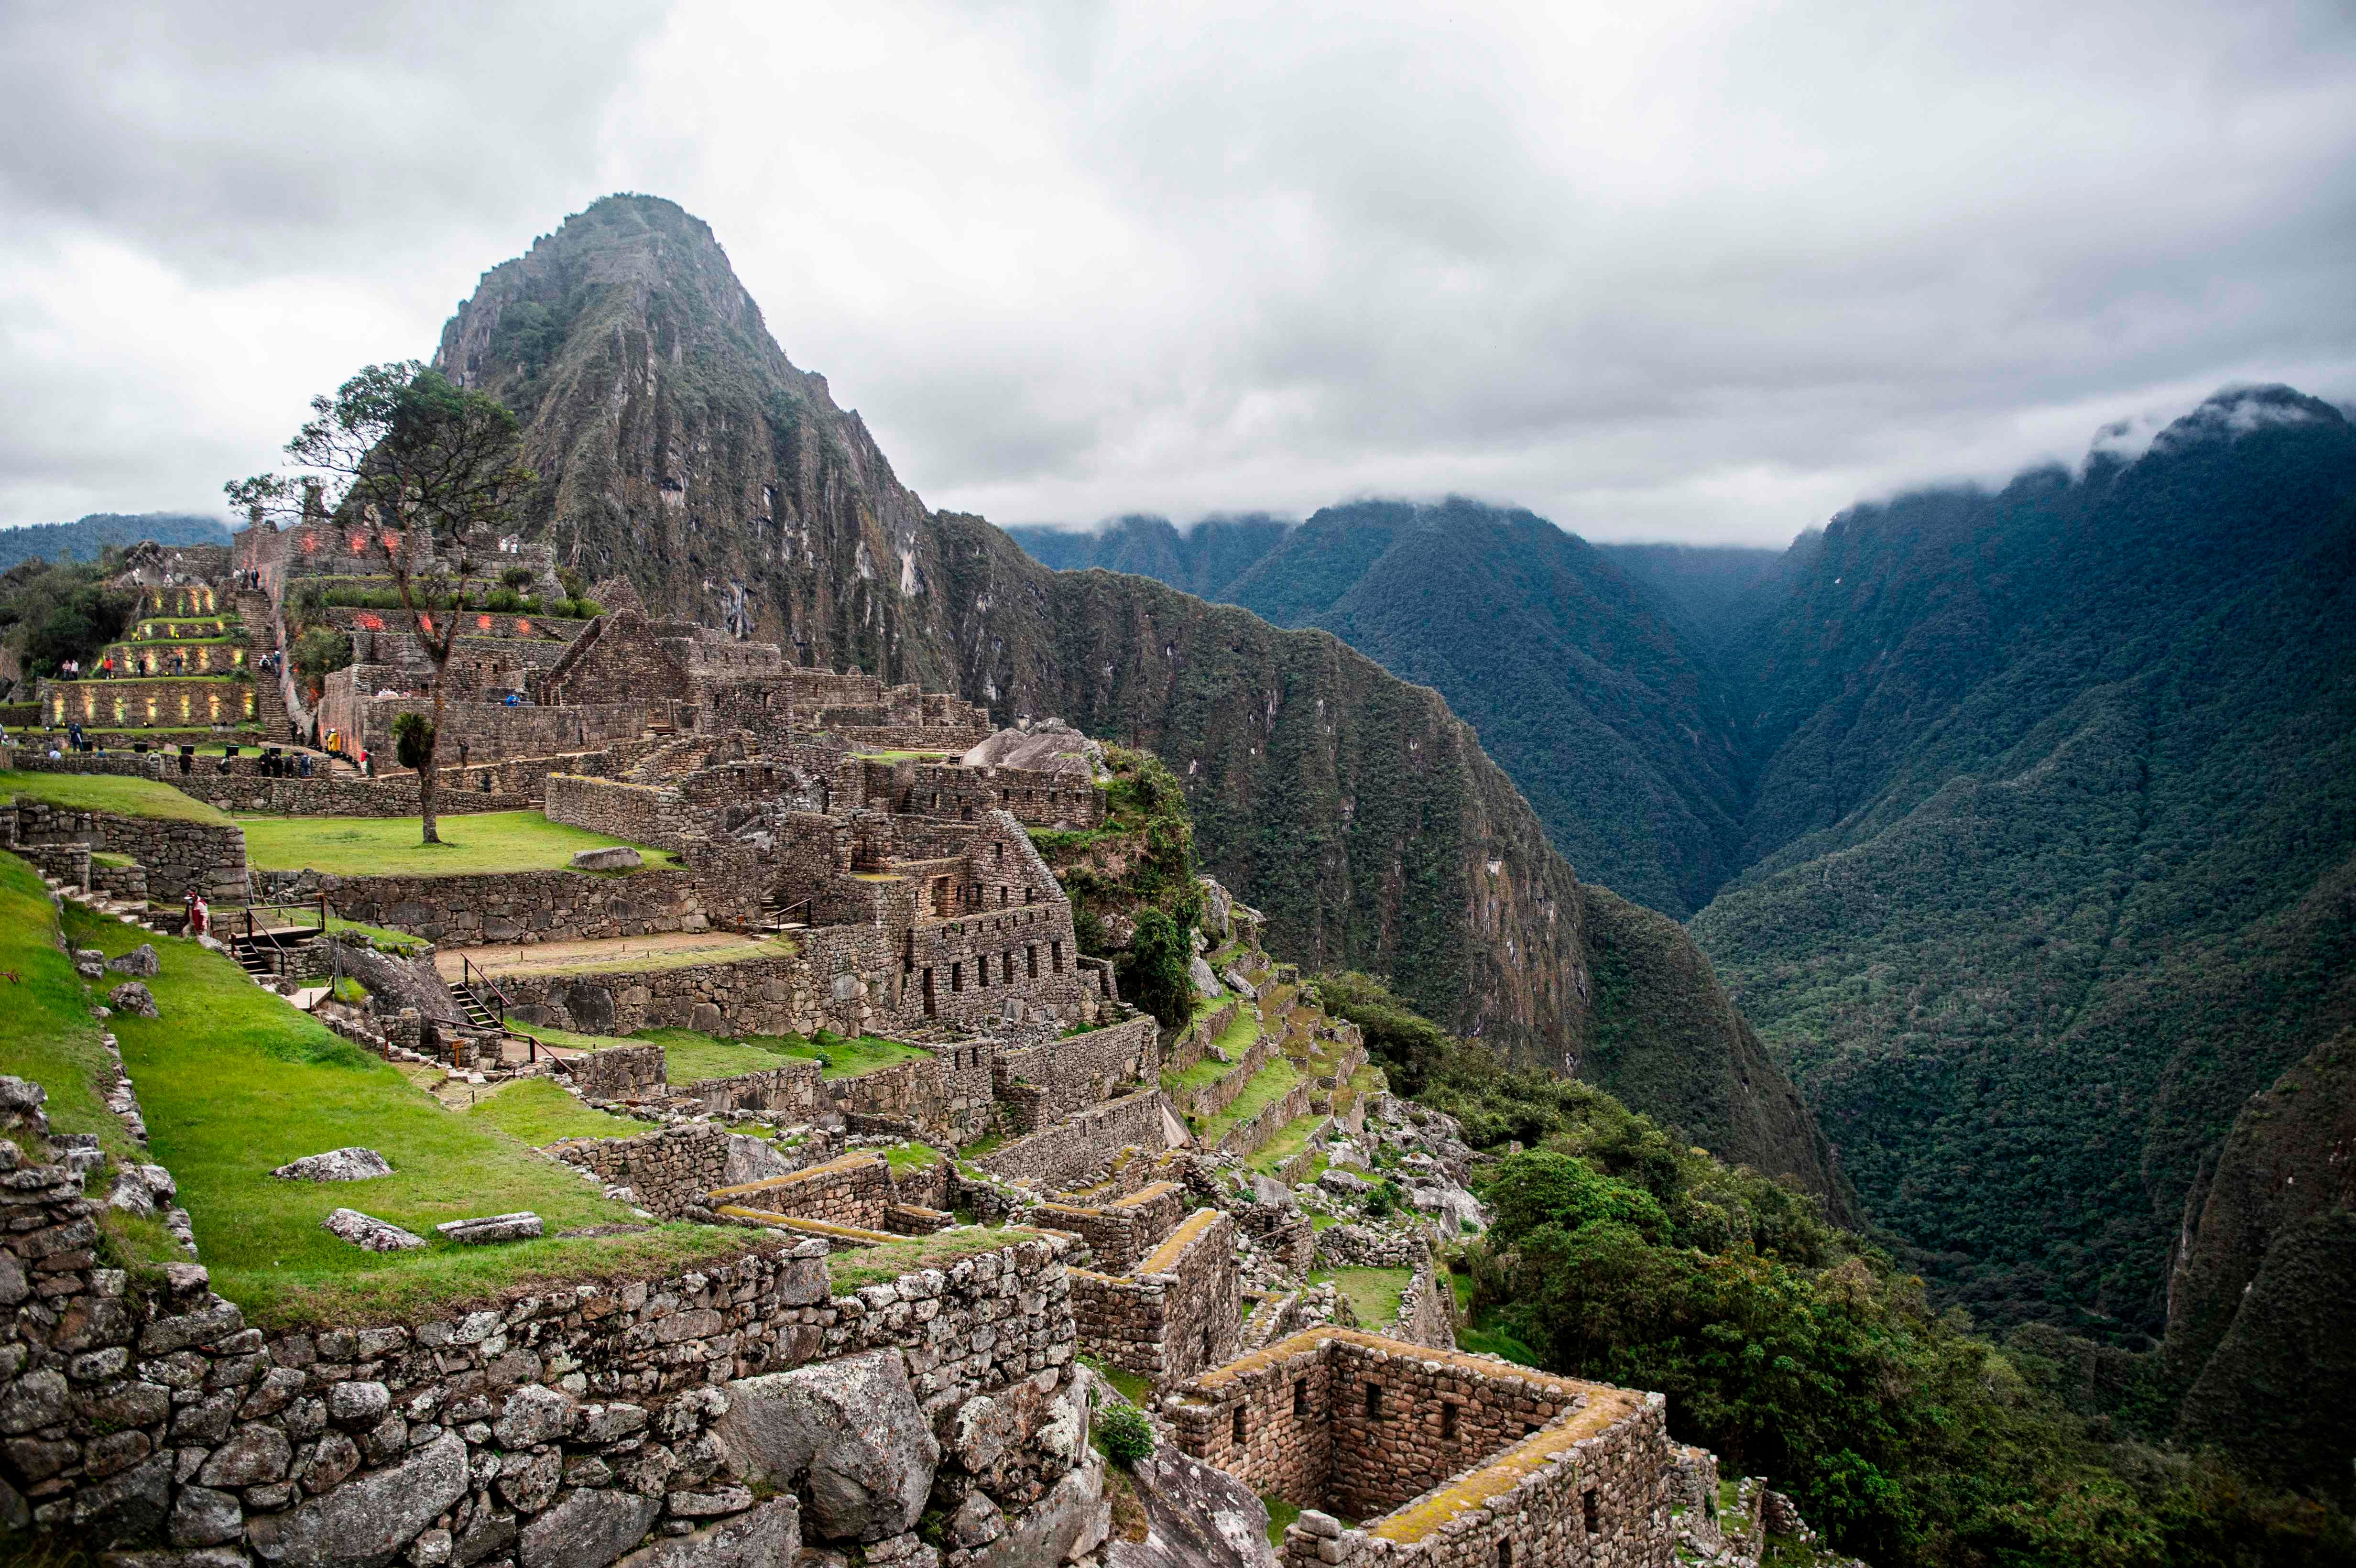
1180, 1312
322, 795
1427, 1312
1445, 1457
178, 856
669, 1171
1244, 1138
1036, 798
789, 1091
1084, 1142
1215, 1096
643, 814
1123, 1232
543, 906
171, 701
617, 1073
493, 731
799, 994
858, 1190
1193, 1043
1074, 1072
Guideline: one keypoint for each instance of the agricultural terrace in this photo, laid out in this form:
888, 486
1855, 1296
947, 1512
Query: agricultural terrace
475, 844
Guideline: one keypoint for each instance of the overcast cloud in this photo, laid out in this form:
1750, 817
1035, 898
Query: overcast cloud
1700, 270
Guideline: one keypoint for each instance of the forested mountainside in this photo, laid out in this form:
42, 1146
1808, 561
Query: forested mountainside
676, 444
1581, 685
1713, 592
1204, 560
82, 538
2056, 842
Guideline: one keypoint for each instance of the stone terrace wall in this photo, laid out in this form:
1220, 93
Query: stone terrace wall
1426, 1315
172, 700
1180, 1312
643, 814
1193, 1042
617, 1073
1075, 1072
323, 796
1244, 1138
947, 1096
1123, 1232
792, 995
1477, 1452
856, 1189
789, 1090
1215, 1097
1084, 1143
542, 906
670, 1170
178, 856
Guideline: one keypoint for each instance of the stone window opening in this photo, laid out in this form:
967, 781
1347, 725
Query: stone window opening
981, 971
1239, 1410
1591, 1507
1055, 957
1300, 1397
932, 1009
957, 978
1448, 1421
1006, 966
1030, 955
1374, 1402
1505, 1555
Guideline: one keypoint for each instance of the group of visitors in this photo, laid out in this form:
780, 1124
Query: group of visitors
250, 581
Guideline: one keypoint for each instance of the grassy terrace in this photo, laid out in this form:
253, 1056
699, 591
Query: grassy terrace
536, 1112
1290, 1140
234, 1082
689, 1054
846, 1271
1235, 1039
483, 842
124, 796
1268, 1085
1374, 1294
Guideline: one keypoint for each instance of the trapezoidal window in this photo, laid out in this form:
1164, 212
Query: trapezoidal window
957, 978
1240, 1421
1374, 1402
931, 1006
1447, 1422
1590, 1506
1300, 1396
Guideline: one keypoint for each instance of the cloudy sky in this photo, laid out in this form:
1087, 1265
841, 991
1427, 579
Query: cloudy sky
1687, 270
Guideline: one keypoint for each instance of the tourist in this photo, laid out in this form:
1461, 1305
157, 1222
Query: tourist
306, 764
200, 915
188, 763
368, 764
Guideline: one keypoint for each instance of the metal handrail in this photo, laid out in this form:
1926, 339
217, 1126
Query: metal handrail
471, 975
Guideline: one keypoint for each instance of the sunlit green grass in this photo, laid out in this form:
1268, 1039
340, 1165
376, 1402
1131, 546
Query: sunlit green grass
1374, 1294
103, 792
473, 844
539, 1112
1268, 1085
235, 1082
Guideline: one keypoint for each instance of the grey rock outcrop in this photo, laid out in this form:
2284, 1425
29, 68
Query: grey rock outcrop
140, 961
1205, 983
134, 999
365, 1522
90, 963
619, 857
1063, 1526
769, 1537
853, 1425
1196, 1516
369, 1232
336, 1165
516, 1227
588, 1530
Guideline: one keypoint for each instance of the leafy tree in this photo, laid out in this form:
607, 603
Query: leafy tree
425, 466
1155, 973
413, 739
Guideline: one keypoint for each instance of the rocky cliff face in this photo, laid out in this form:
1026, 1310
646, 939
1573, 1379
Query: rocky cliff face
2262, 1299
677, 446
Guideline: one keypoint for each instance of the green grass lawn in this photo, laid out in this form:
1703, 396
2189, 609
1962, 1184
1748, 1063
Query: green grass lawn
47, 1034
911, 1157
1290, 1140
1202, 1075
1268, 1085
234, 1082
539, 1112
481, 842
689, 1055
1373, 1293
102, 791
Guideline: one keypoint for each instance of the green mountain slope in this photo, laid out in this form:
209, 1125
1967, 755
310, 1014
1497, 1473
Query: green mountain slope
1204, 560
82, 538
1582, 684
677, 445
2057, 833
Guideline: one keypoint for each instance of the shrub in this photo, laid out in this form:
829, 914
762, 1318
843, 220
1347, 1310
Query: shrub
1127, 1435
517, 577
413, 739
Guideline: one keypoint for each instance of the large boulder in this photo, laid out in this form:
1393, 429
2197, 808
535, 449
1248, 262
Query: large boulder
365, 1522
617, 858
1067, 1524
1196, 1516
369, 1232
754, 1159
770, 1536
140, 963
520, 1226
588, 1530
336, 1165
853, 1425
1205, 983
134, 999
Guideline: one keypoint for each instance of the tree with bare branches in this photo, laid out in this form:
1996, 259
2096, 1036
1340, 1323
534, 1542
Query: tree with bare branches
422, 465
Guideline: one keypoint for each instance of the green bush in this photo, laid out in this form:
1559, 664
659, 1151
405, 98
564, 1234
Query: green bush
517, 577
1125, 1432
413, 739
318, 652
1155, 971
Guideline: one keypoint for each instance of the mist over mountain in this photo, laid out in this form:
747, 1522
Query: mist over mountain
2021, 822
82, 538
676, 444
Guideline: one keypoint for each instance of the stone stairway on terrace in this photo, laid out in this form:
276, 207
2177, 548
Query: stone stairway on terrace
254, 617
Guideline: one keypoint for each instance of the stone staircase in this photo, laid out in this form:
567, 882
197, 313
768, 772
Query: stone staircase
254, 616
